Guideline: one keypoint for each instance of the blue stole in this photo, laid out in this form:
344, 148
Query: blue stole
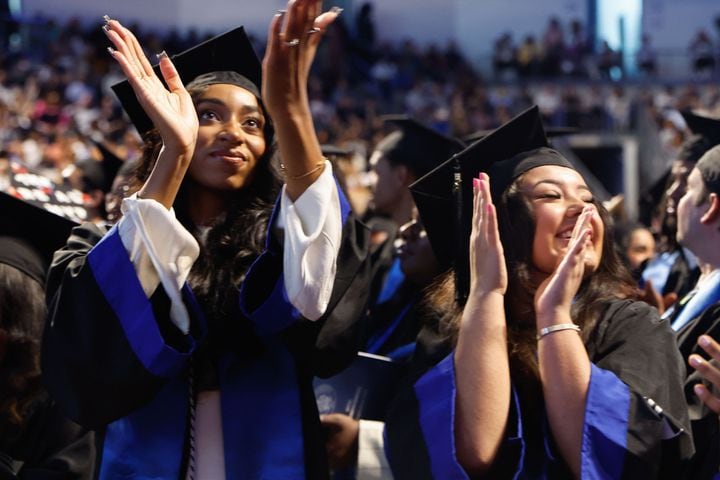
707, 294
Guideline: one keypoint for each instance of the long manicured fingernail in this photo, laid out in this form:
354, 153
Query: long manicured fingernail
162, 55
111, 51
106, 18
106, 28
704, 341
337, 10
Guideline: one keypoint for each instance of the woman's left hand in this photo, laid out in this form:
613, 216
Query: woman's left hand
555, 294
293, 40
708, 371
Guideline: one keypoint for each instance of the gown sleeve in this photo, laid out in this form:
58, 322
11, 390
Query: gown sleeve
329, 343
107, 347
636, 421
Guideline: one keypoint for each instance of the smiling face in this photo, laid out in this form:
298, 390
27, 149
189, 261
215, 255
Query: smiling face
230, 138
557, 196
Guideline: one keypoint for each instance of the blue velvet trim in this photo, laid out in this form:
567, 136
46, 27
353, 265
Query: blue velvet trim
262, 418
148, 443
276, 312
604, 442
435, 393
118, 282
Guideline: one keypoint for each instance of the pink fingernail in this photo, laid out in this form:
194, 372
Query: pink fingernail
699, 389
476, 184
695, 361
704, 341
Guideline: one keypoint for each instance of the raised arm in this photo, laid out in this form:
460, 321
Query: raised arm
563, 360
481, 356
171, 109
293, 39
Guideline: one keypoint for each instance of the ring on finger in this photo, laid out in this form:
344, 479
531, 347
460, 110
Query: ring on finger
293, 43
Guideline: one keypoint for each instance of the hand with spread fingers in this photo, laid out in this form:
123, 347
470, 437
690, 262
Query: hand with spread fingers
170, 108
556, 292
709, 371
293, 40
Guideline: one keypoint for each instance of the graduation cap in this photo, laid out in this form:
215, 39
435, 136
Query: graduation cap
99, 174
550, 132
505, 154
418, 147
29, 235
213, 60
706, 134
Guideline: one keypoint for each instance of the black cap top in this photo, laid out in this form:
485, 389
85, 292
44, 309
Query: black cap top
99, 174
550, 132
706, 134
504, 154
418, 147
29, 235
230, 52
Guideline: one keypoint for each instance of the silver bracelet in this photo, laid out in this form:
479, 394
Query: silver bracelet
556, 328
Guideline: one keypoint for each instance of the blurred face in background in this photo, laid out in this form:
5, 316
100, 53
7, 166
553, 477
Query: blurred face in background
640, 247
388, 184
417, 259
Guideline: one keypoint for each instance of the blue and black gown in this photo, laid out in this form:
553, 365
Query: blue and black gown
115, 362
636, 422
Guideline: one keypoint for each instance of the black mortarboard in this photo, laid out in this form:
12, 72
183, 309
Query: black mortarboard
99, 174
550, 132
230, 52
504, 154
418, 147
29, 236
706, 134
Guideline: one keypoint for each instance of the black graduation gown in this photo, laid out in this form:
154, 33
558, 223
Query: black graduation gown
636, 423
113, 361
47, 446
705, 424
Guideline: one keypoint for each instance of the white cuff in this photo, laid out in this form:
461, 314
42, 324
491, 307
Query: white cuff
372, 463
313, 230
161, 250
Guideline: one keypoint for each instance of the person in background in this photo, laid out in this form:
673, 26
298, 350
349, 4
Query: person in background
36, 440
696, 317
675, 270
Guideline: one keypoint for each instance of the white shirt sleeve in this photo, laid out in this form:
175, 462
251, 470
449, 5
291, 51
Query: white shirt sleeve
313, 230
372, 463
161, 250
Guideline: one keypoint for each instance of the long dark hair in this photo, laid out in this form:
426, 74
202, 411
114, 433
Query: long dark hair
516, 225
611, 279
237, 238
22, 316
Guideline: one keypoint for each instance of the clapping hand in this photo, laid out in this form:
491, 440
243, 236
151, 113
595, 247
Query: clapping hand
170, 108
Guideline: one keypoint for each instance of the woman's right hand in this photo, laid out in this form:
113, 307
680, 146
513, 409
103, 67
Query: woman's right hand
488, 273
170, 108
